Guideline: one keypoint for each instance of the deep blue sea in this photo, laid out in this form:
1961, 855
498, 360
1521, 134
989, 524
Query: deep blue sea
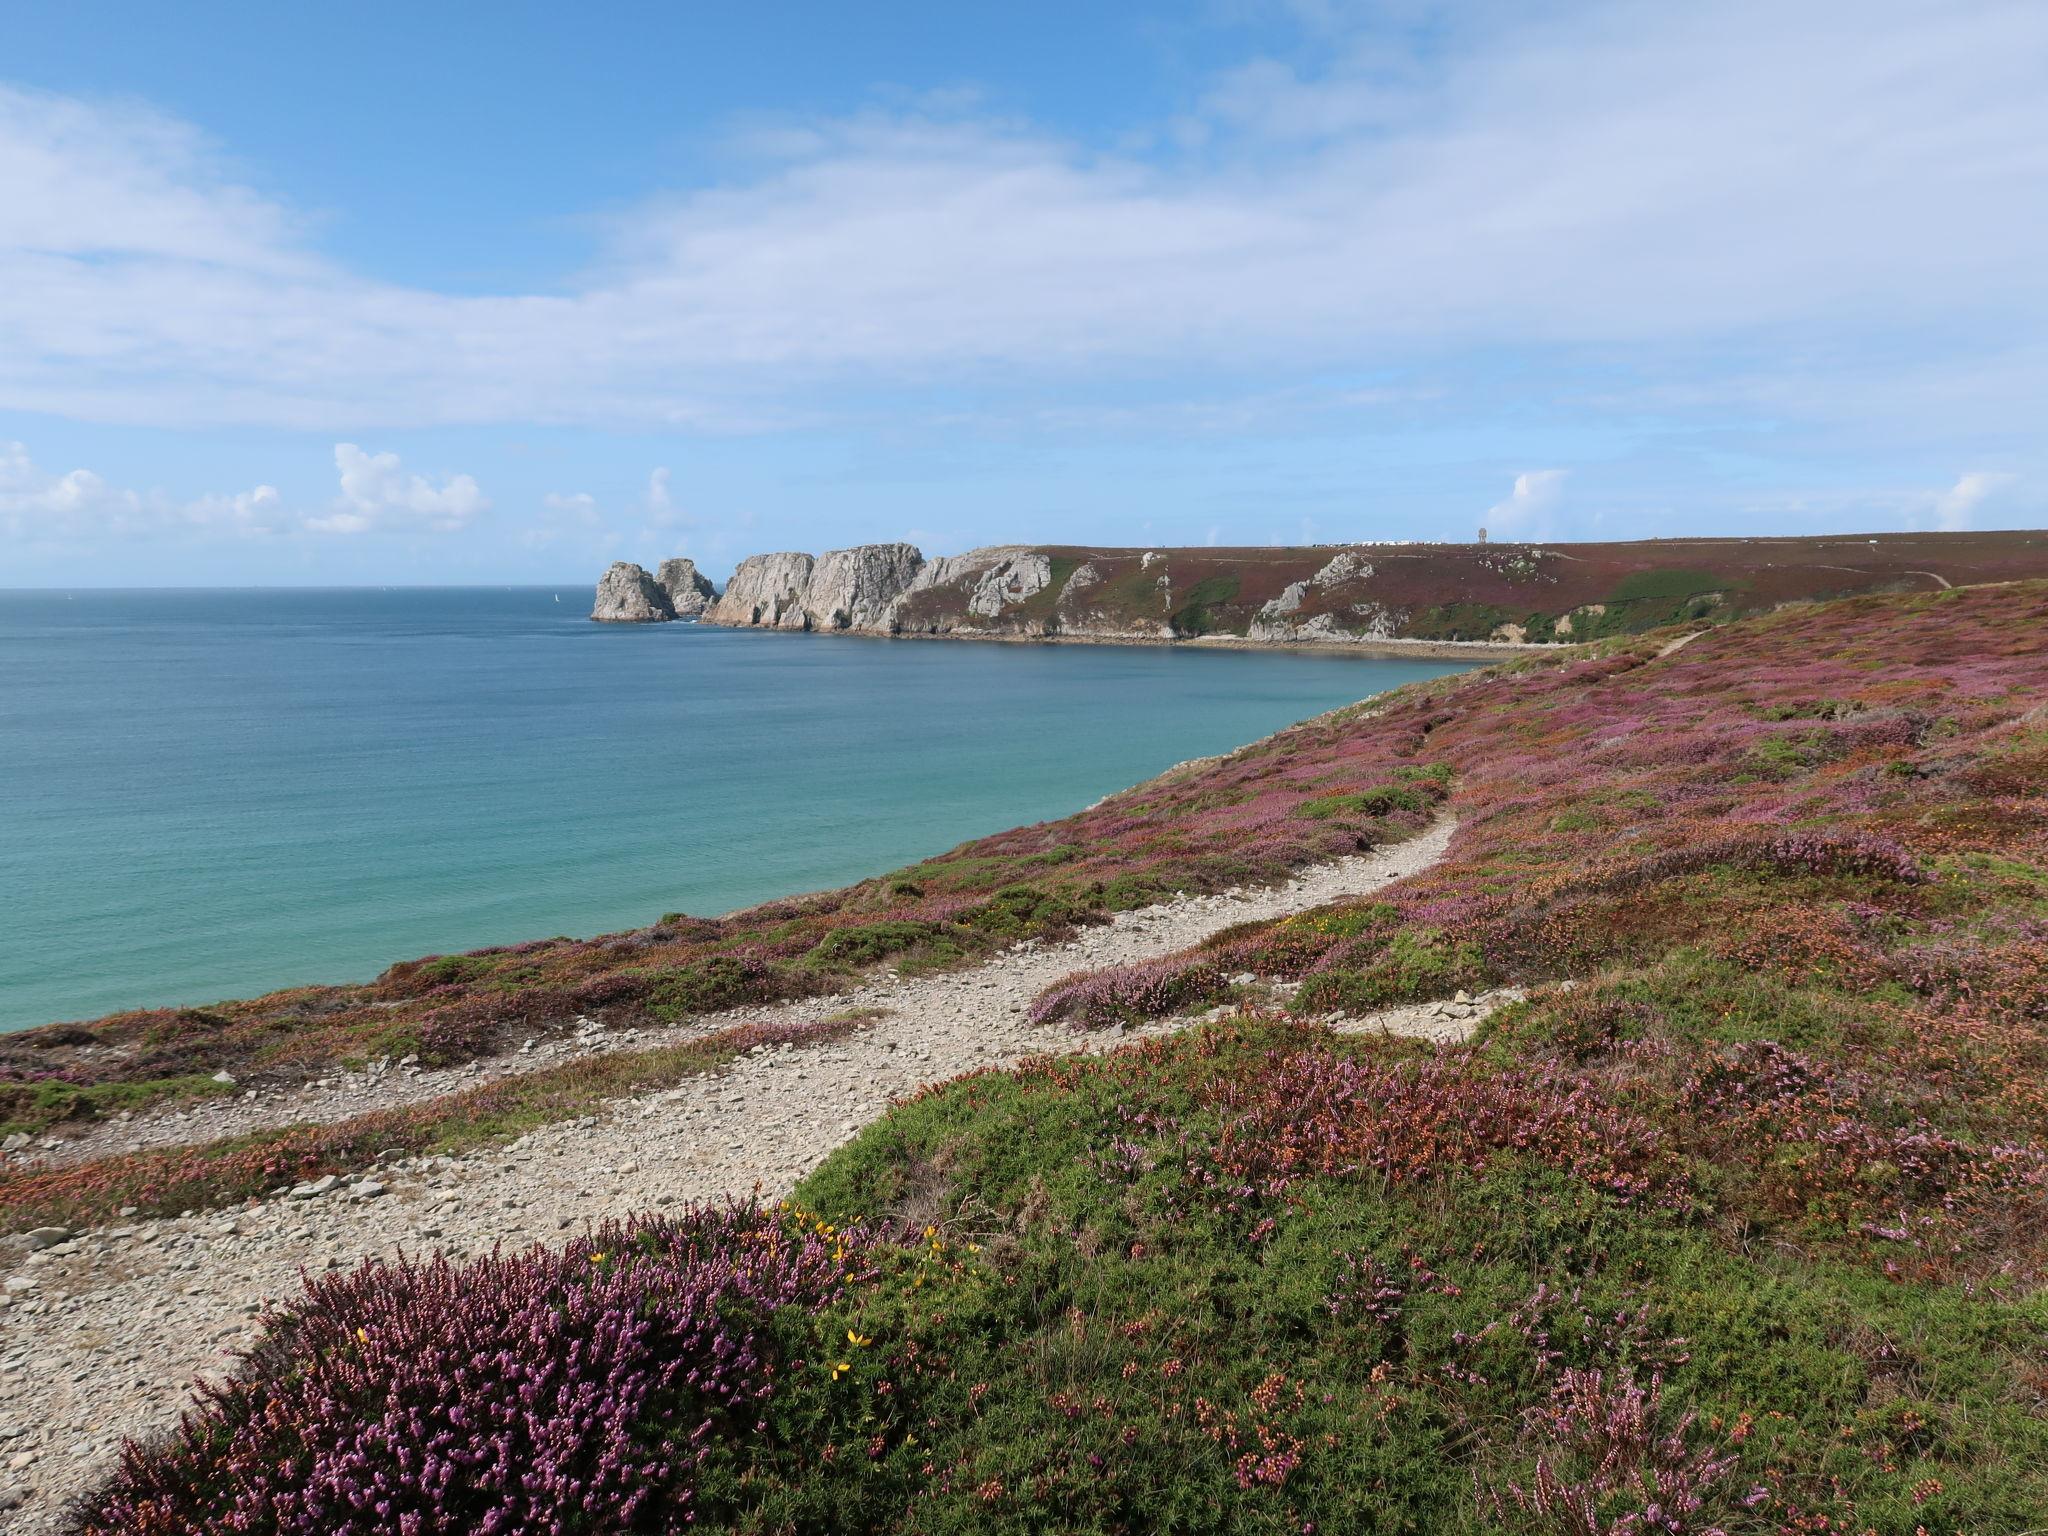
207, 794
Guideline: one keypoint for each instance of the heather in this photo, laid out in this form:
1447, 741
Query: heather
1255, 1277
592, 1388
1738, 1224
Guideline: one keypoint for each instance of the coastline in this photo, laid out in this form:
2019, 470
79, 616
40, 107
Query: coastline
1380, 650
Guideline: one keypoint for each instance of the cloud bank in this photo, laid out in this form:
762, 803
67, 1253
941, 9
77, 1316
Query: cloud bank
40, 508
1764, 186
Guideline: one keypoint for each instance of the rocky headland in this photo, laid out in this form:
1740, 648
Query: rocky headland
1391, 597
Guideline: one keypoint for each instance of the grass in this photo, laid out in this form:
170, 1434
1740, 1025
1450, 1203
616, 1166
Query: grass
1196, 614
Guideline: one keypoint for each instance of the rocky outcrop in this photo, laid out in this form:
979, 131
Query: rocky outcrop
626, 594
851, 589
984, 591
690, 593
1009, 582
857, 588
766, 590
1281, 619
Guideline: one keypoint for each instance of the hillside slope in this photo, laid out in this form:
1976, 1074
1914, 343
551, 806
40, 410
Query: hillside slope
1369, 594
1739, 1224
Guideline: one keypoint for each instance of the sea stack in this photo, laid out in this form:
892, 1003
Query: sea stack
690, 593
628, 595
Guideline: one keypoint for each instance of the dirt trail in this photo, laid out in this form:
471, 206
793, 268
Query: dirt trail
102, 1334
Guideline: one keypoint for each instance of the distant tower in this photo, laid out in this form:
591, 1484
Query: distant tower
1482, 535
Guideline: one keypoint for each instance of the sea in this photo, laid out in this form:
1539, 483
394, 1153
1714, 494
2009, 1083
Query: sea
210, 794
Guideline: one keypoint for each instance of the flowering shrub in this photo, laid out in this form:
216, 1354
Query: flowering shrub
1315, 1114
574, 1390
1131, 992
1634, 1477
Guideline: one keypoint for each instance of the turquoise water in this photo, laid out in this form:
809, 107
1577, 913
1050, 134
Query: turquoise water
210, 794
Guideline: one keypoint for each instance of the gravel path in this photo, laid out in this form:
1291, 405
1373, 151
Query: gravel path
101, 1334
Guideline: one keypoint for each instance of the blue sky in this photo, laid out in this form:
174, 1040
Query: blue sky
400, 293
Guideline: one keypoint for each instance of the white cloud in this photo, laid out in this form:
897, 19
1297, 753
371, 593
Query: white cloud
1643, 178
377, 493
659, 505
1525, 513
40, 508
1955, 507
647, 522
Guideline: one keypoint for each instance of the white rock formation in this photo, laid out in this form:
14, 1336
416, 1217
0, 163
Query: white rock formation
626, 594
857, 588
1009, 582
690, 593
766, 590
1275, 621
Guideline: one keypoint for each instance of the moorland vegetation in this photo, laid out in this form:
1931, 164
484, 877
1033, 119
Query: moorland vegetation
1736, 1225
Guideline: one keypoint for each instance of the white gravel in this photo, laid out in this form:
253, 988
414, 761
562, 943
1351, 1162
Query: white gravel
102, 1333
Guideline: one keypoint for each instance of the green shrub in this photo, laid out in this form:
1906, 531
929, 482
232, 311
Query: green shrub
1018, 910
1380, 800
851, 948
705, 986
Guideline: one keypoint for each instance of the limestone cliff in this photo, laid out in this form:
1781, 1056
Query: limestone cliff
857, 588
765, 590
690, 593
626, 594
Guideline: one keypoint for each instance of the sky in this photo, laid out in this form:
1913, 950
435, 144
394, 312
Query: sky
499, 293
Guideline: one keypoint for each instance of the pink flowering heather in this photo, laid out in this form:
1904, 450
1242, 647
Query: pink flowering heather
542, 1394
1630, 1477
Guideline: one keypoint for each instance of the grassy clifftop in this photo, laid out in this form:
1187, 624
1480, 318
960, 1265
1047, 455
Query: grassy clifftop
1513, 593
1739, 1224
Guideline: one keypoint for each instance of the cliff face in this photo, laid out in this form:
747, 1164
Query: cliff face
765, 590
690, 593
1504, 594
626, 594
856, 588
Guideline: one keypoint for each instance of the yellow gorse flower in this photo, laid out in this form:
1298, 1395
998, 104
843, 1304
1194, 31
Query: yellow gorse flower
858, 1340
841, 1369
